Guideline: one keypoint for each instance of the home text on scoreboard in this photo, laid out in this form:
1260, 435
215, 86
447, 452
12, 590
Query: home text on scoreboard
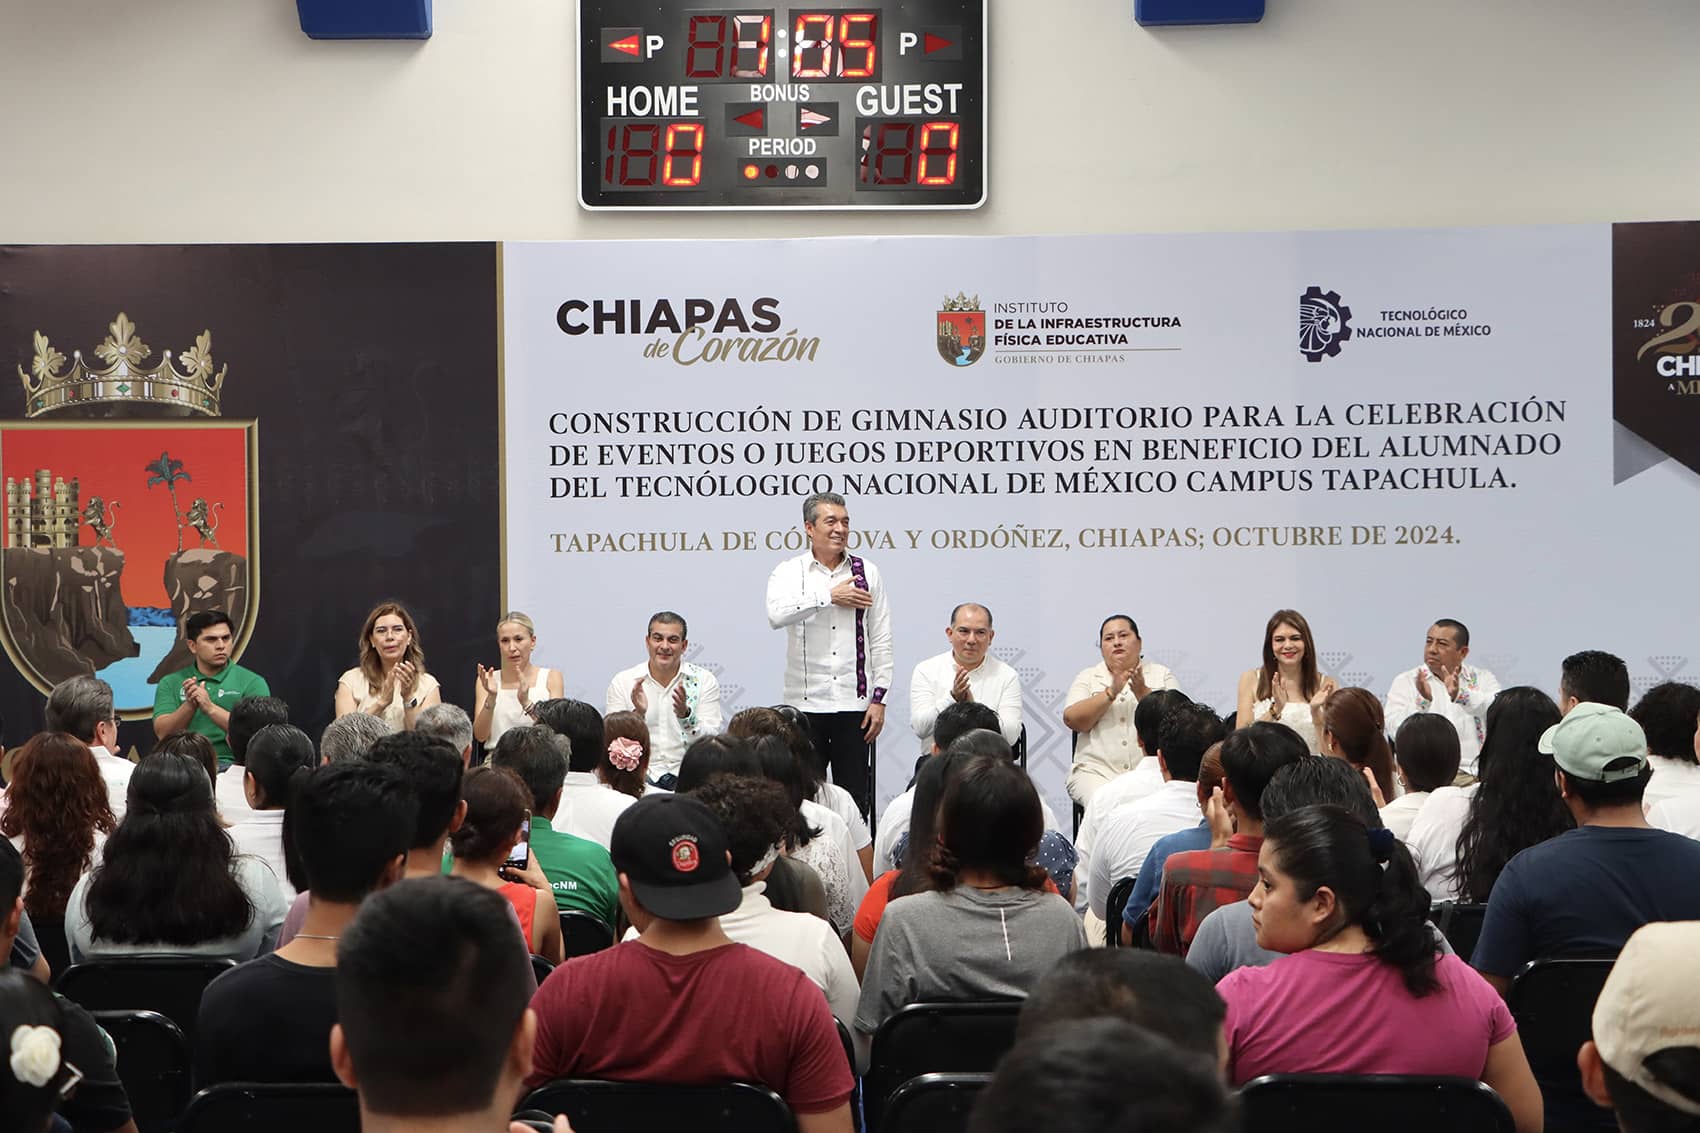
683, 106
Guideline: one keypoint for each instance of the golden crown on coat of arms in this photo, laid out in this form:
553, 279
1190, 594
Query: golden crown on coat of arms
961, 303
194, 387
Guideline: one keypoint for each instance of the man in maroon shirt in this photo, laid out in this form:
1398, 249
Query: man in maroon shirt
683, 1003
1198, 882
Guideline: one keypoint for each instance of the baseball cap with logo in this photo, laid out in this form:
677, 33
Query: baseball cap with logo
1598, 742
672, 850
1647, 1019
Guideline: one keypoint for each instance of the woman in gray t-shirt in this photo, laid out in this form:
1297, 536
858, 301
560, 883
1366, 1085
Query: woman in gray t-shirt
989, 929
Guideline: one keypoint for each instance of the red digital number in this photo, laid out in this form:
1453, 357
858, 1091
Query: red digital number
695, 66
893, 141
858, 31
640, 142
684, 144
938, 141
814, 32
753, 35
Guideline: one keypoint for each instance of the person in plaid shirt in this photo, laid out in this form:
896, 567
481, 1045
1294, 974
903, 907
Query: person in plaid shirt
1199, 882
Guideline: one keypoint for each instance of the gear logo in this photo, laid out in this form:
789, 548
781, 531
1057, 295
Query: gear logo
1324, 323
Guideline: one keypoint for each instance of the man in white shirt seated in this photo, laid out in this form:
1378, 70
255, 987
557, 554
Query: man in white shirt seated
82, 707
1448, 686
679, 701
955, 721
833, 608
965, 672
1128, 833
1100, 705
1145, 779
247, 717
589, 806
1669, 713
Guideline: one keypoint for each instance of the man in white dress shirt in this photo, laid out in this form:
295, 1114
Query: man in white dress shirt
965, 672
82, 707
1447, 686
832, 606
589, 807
1100, 705
679, 701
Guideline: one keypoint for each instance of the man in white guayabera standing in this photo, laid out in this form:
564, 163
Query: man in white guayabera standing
832, 606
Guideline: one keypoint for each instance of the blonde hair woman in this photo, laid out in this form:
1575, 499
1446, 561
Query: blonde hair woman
390, 682
503, 696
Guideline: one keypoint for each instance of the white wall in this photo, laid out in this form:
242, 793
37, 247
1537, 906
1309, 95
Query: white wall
217, 120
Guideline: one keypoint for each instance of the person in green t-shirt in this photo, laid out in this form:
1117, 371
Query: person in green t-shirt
199, 698
580, 872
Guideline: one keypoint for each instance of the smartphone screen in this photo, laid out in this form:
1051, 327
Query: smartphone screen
522, 848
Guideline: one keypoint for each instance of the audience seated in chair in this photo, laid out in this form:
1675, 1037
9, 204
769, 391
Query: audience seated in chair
98, 1104
1155, 992
988, 930
953, 721
496, 807
579, 871
248, 717
274, 761
683, 1003
265, 1021
1644, 1059
1103, 1075
1362, 990
169, 881
1427, 756
589, 807
432, 1037
351, 737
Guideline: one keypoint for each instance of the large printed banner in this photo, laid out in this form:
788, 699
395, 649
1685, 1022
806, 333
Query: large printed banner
1376, 428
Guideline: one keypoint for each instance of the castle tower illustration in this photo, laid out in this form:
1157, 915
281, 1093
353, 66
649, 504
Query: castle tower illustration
43, 514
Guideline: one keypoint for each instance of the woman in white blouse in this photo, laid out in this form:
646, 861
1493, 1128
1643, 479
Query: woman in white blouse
1286, 688
503, 697
390, 682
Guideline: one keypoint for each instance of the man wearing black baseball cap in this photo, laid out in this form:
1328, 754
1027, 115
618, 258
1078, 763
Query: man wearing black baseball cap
682, 1003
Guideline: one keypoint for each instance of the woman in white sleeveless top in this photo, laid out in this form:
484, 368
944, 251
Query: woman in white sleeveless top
1287, 688
503, 697
390, 682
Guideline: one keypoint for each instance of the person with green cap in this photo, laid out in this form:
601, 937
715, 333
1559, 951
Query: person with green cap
1585, 892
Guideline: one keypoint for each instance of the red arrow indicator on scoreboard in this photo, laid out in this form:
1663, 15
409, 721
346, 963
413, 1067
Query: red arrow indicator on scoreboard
629, 45
755, 119
932, 43
809, 119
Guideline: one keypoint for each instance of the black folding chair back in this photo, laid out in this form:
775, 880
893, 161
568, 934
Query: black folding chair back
1394, 1103
849, 1043
583, 933
153, 1064
1460, 924
1553, 1003
1018, 750
1113, 909
540, 968
935, 1038
619, 1107
253, 1107
934, 1103
170, 985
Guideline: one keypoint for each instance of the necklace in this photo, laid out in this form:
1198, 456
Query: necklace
313, 936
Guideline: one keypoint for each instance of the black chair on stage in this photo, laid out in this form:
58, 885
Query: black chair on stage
1018, 750
934, 1038
254, 1107
584, 933
540, 968
1553, 1003
1393, 1103
849, 1044
170, 985
1460, 924
1079, 811
619, 1107
1114, 907
934, 1103
153, 1064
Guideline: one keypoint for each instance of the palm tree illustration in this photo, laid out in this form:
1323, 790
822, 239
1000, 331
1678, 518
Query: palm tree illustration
168, 471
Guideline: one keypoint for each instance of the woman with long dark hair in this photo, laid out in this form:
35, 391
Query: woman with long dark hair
277, 759
1361, 989
170, 882
823, 790
1287, 688
58, 814
988, 929
497, 807
1355, 729
35, 1076
819, 838
1462, 838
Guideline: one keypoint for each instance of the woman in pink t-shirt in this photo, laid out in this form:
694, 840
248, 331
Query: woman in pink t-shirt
1362, 990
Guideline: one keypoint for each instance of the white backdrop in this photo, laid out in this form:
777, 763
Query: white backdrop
1474, 344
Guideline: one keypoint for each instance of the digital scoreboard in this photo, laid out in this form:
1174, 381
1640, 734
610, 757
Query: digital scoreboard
688, 106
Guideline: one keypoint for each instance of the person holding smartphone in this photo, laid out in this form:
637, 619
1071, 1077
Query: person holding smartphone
492, 848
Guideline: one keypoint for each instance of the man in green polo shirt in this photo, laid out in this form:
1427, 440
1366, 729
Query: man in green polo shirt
580, 873
199, 698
